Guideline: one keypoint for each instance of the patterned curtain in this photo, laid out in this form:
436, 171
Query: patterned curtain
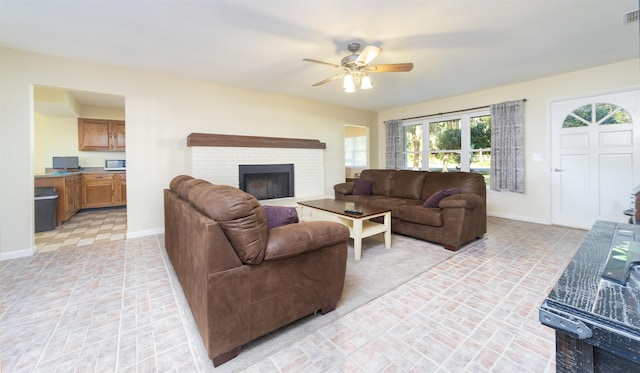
395, 147
507, 146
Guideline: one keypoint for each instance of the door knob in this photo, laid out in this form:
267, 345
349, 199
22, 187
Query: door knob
558, 169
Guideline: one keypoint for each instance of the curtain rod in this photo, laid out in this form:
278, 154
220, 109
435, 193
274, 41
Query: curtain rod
452, 112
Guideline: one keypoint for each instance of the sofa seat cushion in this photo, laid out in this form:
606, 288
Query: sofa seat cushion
420, 215
391, 203
360, 199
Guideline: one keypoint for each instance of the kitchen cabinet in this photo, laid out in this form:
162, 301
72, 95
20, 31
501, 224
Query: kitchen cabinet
121, 189
73, 199
69, 194
104, 190
101, 135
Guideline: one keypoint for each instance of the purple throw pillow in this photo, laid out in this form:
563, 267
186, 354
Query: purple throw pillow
278, 216
362, 187
434, 200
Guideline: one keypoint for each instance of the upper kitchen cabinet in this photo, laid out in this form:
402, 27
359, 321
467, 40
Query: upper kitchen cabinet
101, 135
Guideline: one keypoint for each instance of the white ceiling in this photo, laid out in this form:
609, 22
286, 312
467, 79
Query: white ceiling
456, 46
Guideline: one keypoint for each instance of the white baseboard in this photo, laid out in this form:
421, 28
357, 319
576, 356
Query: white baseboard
16, 254
517, 217
149, 232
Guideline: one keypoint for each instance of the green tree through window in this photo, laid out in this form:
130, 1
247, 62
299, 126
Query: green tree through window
413, 146
445, 144
460, 143
598, 114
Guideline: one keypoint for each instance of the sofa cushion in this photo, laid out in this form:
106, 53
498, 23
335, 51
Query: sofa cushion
434, 200
420, 215
407, 184
278, 216
466, 182
240, 216
291, 240
176, 181
381, 180
344, 188
184, 188
390, 203
359, 199
362, 187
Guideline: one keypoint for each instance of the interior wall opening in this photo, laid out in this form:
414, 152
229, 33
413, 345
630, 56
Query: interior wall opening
56, 128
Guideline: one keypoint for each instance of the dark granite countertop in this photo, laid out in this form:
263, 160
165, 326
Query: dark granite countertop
610, 310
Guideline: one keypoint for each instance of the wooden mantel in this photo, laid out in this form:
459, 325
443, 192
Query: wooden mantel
210, 139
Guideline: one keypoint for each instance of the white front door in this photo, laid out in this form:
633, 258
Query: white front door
595, 144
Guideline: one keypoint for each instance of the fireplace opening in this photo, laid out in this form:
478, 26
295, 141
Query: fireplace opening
267, 181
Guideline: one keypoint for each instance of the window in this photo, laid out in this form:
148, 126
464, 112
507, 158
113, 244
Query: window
599, 113
457, 143
355, 151
413, 146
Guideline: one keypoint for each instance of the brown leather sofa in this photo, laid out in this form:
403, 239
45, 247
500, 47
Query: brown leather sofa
457, 219
241, 279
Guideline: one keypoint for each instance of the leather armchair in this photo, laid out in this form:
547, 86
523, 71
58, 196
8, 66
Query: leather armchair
241, 279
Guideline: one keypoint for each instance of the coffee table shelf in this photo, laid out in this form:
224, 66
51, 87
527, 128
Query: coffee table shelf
360, 226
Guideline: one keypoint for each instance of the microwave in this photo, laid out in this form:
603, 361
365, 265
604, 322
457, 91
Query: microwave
115, 165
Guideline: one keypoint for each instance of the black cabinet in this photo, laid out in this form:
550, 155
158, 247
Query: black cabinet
597, 321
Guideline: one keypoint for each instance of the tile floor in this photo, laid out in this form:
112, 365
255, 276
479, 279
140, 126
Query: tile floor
85, 228
114, 306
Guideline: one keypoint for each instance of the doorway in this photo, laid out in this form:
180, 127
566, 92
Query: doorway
55, 134
595, 144
356, 150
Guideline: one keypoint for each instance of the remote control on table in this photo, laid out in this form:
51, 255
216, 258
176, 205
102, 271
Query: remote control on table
356, 212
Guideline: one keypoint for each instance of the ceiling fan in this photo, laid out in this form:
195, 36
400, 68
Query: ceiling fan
356, 67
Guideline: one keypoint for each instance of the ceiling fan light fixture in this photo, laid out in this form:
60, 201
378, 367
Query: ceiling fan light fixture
366, 82
349, 84
356, 66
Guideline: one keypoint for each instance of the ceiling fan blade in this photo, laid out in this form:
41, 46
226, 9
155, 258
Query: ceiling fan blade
338, 76
321, 62
368, 54
390, 68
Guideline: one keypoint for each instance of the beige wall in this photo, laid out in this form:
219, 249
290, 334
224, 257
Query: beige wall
535, 204
161, 111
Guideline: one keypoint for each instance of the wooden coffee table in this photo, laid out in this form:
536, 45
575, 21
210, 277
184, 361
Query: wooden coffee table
360, 226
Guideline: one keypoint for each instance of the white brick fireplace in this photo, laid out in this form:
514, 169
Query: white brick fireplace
216, 158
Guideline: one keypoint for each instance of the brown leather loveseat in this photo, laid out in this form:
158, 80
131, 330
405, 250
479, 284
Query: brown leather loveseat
241, 279
453, 221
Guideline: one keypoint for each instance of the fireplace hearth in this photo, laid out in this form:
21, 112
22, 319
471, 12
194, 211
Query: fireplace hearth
267, 181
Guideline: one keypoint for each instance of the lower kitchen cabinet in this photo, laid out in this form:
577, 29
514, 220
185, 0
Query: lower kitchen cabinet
97, 190
121, 189
85, 191
104, 190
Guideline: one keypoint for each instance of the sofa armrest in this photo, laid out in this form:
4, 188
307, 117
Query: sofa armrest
463, 200
464, 218
295, 239
344, 188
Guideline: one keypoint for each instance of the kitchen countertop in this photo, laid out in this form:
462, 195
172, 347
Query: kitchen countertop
87, 170
587, 310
